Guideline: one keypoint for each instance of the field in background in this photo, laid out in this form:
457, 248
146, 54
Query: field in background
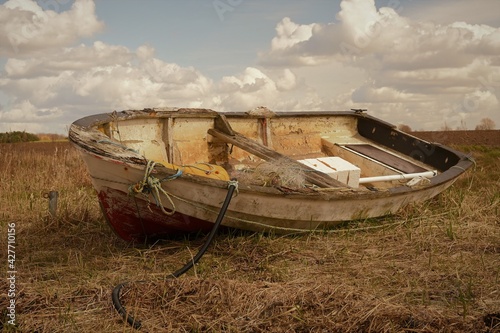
434, 267
458, 137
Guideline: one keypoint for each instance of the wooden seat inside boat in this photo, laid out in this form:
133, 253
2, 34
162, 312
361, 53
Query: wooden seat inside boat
373, 161
384, 157
364, 153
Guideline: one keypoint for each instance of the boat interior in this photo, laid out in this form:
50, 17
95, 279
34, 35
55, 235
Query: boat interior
335, 149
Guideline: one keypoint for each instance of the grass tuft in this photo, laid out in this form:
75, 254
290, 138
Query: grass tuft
433, 267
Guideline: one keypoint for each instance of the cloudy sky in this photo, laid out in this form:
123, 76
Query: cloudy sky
421, 63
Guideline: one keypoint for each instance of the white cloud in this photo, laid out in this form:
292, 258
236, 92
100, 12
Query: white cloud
401, 69
411, 67
52, 63
27, 28
48, 80
250, 89
290, 34
24, 111
370, 94
109, 74
287, 81
277, 89
298, 45
449, 11
101, 78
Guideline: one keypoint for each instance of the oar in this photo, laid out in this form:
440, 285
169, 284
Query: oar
313, 176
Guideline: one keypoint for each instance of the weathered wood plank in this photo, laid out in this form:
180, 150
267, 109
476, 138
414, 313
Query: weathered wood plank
313, 176
386, 158
221, 124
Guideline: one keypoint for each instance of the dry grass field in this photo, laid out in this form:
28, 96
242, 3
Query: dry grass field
434, 267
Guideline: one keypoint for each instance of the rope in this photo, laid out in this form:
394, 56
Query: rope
195, 166
152, 185
458, 167
233, 183
418, 181
470, 157
466, 157
116, 293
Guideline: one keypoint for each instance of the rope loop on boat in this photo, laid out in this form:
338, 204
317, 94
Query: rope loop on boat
152, 185
233, 183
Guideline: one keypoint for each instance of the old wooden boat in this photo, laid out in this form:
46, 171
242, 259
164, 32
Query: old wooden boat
164, 171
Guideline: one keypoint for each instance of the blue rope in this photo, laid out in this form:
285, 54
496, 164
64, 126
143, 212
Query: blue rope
152, 185
172, 177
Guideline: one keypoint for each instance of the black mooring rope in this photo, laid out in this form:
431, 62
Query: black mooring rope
115, 295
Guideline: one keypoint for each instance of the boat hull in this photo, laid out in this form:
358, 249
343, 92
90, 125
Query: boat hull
136, 217
137, 220
119, 150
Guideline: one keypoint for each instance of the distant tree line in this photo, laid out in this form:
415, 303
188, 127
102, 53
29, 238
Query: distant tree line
17, 136
485, 124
